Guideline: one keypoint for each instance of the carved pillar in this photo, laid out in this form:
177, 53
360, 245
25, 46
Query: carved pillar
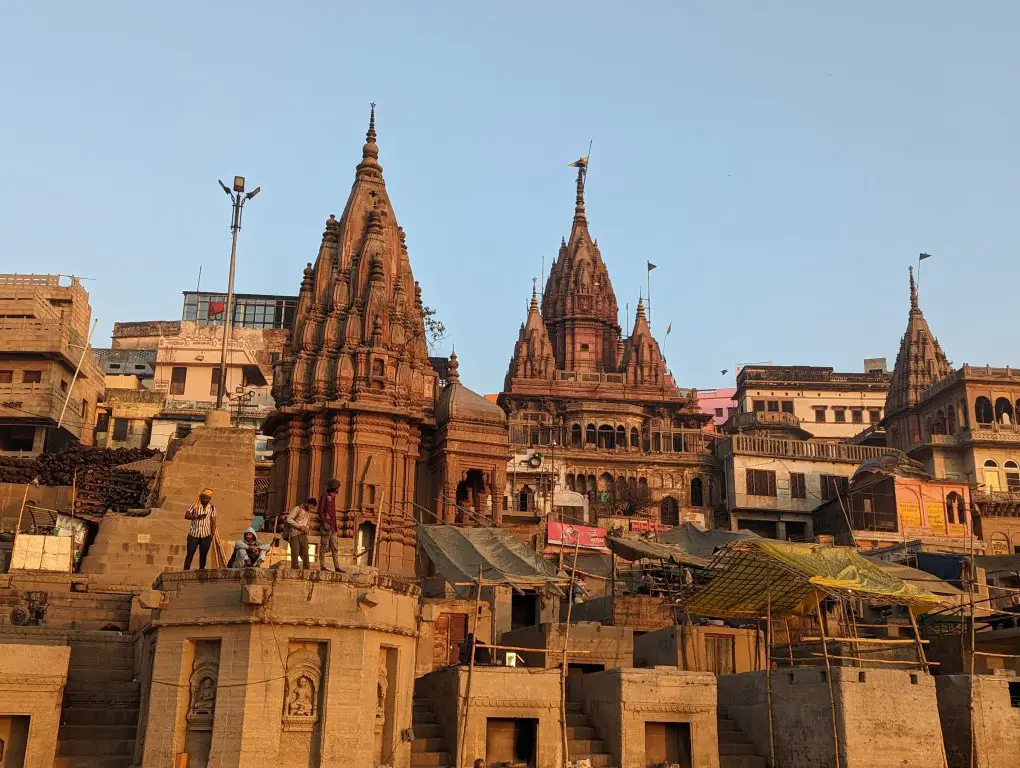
316, 442
295, 445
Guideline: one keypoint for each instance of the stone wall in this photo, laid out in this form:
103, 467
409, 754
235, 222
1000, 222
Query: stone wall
884, 718
32, 679
996, 722
621, 702
589, 643
281, 667
687, 648
496, 692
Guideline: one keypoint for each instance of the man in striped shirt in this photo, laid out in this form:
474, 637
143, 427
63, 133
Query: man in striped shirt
202, 514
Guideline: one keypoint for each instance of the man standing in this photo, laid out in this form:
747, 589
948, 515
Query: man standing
297, 532
327, 526
202, 514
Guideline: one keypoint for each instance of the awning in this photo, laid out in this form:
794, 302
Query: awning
457, 554
757, 572
921, 579
996, 563
569, 499
697, 542
646, 549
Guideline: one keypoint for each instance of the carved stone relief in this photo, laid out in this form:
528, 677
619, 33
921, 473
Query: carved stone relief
302, 689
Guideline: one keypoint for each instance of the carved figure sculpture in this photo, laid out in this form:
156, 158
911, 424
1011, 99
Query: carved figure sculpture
301, 702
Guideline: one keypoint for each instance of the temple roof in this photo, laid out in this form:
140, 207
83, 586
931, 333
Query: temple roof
920, 361
458, 403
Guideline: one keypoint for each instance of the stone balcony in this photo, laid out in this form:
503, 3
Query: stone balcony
801, 449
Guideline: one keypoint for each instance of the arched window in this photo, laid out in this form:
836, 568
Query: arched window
606, 436
940, 428
1004, 411
621, 483
1012, 476
632, 483
656, 442
570, 483
929, 427
1000, 544
991, 476
964, 416
678, 442
582, 486
635, 438
983, 411
951, 504
951, 419
697, 492
621, 437
961, 513
607, 486
643, 483
669, 511
590, 436
575, 436
526, 499
366, 543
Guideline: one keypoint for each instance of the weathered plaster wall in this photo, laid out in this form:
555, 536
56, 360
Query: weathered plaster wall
884, 718
686, 648
996, 723
593, 643
32, 680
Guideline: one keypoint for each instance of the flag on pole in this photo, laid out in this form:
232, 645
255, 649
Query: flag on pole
924, 256
650, 266
581, 162
670, 329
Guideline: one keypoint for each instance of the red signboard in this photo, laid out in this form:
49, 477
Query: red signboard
644, 526
582, 536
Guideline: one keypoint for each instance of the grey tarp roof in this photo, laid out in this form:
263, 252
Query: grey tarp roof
647, 549
457, 554
996, 563
686, 543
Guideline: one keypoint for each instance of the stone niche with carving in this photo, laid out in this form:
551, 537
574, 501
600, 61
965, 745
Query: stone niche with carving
300, 741
202, 689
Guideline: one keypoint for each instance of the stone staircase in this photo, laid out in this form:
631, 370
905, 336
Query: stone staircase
735, 748
99, 716
582, 741
427, 749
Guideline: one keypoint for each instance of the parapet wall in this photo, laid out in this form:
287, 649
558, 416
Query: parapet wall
996, 721
883, 718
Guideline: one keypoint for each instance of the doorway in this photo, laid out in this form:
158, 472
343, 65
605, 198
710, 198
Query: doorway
574, 674
13, 740
511, 740
523, 610
720, 654
366, 544
668, 743
450, 632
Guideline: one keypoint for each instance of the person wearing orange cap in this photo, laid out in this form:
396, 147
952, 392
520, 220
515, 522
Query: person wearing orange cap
202, 514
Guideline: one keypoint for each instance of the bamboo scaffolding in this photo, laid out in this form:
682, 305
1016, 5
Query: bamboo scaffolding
566, 637
828, 678
459, 757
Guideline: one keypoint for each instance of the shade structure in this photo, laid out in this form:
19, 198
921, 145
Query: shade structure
793, 577
459, 553
646, 549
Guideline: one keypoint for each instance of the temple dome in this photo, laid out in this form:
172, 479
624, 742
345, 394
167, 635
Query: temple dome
458, 403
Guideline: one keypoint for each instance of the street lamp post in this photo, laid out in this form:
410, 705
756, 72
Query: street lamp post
237, 198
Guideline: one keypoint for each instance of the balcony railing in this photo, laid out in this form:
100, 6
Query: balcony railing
803, 449
761, 419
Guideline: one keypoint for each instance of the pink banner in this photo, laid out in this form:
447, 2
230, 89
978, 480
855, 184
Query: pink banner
583, 536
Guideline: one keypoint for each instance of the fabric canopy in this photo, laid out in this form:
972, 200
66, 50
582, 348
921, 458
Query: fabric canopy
698, 542
996, 563
791, 577
458, 553
646, 549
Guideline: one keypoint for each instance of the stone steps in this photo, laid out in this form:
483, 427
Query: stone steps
94, 761
591, 747
735, 749
427, 749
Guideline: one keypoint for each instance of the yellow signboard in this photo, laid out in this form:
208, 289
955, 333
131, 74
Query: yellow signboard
957, 531
910, 514
936, 518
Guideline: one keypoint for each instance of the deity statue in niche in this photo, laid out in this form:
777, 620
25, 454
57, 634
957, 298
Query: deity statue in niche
302, 699
382, 688
205, 697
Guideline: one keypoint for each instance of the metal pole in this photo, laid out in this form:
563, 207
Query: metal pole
768, 680
566, 639
970, 591
228, 311
828, 677
74, 378
459, 757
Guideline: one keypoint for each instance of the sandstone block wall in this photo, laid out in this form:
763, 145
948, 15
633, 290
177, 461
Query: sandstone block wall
687, 648
622, 701
884, 718
32, 680
608, 646
133, 551
996, 721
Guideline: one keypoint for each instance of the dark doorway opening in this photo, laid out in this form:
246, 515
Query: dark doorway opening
574, 674
523, 610
511, 740
796, 531
765, 528
13, 740
668, 743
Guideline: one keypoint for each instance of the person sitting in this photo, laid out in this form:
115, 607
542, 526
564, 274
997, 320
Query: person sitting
248, 551
647, 583
481, 651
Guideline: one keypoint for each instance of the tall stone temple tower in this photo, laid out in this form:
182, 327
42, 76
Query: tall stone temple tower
355, 386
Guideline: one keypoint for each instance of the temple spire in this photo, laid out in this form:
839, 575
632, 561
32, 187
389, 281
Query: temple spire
582, 169
369, 165
534, 293
453, 376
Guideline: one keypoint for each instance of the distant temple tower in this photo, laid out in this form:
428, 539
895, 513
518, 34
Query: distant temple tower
356, 385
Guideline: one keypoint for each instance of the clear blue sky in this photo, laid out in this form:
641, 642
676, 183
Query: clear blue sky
781, 162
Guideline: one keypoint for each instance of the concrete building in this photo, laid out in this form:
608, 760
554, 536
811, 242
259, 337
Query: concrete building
827, 404
718, 403
44, 329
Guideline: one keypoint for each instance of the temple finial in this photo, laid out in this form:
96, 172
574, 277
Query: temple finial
582, 169
369, 164
534, 293
370, 135
453, 376
913, 291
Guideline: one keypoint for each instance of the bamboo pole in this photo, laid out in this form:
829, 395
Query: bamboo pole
972, 579
874, 661
789, 639
768, 679
566, 638
922, 660
21, 514
459, 757
828, 677
74, 495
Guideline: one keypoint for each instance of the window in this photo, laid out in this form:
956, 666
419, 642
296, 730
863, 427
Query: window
698, 492
761, 482
63, 385
820, 414
758, 406
786, 406
34, 377
139, 367
103, 422
178, 376
857, 415
874, 416
120, 429
114, 366
6, 377
991, 476
584, 347
214, 385
718, 411
983, 410
182, 431
798, 487
731, 410
1012, 476
839, 414
834, 486
773, 406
